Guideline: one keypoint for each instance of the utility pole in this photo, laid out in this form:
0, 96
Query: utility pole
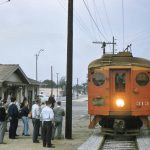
37, 55
77, 88
106, 43
68, 125
57, 84
113, 43
51, 80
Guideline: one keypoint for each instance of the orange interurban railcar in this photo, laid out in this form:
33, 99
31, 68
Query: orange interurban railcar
119, 93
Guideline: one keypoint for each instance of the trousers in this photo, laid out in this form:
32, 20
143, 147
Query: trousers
2, 130
46, 132
36, 127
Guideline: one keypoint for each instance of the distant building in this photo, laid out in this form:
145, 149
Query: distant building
48, 91
13, 81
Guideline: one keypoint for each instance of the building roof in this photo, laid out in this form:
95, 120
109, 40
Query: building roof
120, 59
6, 70
34, 82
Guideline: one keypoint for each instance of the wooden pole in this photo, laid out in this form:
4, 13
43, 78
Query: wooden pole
68, 127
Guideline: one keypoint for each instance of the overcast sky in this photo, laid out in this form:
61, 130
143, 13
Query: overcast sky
26, 26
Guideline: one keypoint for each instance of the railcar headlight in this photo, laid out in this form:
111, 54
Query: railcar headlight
120, 102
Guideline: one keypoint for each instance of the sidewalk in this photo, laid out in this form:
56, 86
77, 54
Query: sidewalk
80, 133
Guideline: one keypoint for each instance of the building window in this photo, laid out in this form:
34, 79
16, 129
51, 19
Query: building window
98, 79
142, 79
120, 82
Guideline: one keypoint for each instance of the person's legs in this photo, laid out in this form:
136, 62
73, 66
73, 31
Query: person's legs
26, 122
36, 126
53, 131
48, 133
23, 121
16, 125
11, 129
33, 137
2, 131
59, 130
44, 134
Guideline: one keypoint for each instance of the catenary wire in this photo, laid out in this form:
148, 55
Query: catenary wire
94, 20
107, 17
1, 3
99, 17
123, 22
78, 20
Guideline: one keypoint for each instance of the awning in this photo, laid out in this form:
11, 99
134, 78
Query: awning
10, 84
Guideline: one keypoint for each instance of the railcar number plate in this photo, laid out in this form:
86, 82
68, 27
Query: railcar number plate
142, 103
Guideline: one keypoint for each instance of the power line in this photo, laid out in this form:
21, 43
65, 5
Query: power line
95, 9
92, 25
63, 6
78, 19
4, 2
99, 17
93, 20
123, 21
138, 35
108, 20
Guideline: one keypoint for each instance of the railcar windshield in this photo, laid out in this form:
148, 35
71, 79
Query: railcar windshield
120, 82
98, 79
142, 79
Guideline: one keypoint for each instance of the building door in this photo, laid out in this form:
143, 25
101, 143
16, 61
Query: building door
120, 84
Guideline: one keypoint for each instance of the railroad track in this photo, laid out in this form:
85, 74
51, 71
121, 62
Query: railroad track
119, 143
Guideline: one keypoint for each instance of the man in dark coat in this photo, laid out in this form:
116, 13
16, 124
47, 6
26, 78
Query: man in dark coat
13, 116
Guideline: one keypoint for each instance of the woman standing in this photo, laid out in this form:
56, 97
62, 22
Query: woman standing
25, 119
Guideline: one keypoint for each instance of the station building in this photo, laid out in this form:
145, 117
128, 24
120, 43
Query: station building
13, 81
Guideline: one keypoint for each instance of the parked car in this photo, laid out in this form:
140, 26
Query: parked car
43, 98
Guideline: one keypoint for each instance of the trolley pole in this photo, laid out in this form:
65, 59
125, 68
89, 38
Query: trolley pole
68, 125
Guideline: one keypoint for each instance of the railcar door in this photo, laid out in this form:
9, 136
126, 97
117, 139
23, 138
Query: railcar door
120, 85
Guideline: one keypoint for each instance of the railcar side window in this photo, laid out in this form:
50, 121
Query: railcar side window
142, 79
98, 79
120, 82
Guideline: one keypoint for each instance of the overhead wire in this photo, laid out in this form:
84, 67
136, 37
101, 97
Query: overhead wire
96, 16
1, 3
123, 22
63, 6
107, 17
82, 24
137, 36
143, 38
99, 17
78, 19
92, 26
94, 21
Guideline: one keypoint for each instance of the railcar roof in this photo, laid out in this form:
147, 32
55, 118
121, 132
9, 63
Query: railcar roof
119, 59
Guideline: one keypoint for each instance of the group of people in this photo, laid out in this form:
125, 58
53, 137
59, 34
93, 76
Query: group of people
11, 111
46, 116
49, 118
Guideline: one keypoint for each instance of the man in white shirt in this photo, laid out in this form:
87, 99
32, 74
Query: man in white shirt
36, 120
47, 117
